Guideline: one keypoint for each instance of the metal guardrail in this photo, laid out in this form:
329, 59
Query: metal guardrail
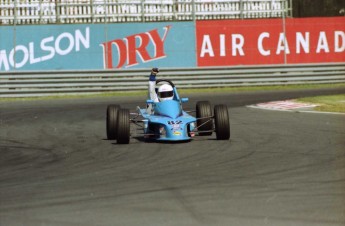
37, 83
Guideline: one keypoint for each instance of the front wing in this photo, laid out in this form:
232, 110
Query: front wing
164, 128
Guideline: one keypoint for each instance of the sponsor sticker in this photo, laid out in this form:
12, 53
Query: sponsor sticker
176, 127
177, 133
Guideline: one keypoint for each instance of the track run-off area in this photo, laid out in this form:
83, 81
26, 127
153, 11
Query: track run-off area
279, 168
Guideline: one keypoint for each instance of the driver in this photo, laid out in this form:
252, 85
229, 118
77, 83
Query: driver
165, 91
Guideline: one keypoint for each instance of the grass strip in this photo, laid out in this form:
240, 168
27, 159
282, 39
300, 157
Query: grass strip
327, 103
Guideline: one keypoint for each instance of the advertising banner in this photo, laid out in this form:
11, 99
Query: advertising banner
172, 44
270, 41
97, 46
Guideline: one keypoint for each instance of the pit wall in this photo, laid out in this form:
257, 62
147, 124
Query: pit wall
172, 44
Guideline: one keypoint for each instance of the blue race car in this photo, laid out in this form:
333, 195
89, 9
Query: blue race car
167, 121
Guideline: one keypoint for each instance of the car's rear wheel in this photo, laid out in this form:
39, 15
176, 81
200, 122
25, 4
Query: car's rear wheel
123, 126
112, 121
204, 111
222, 123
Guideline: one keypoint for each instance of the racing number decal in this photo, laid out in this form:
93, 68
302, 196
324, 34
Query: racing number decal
175, 125
177, 122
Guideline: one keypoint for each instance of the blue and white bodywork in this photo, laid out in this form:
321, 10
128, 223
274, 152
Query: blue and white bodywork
167, 121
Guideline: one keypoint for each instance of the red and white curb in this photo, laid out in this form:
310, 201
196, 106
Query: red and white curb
284, 105
291, 106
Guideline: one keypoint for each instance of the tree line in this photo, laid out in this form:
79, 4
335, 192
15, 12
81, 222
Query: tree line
318, 8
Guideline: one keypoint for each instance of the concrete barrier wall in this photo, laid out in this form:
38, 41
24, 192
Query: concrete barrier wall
172, 44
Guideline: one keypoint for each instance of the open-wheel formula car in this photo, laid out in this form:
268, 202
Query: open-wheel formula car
167, 121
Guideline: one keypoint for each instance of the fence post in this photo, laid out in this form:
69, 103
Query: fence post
105, 11
57, 12
193, 10
174, 5
15, 11
142, 11
284, 30
41, 11
91, 11
290, 8
241, 9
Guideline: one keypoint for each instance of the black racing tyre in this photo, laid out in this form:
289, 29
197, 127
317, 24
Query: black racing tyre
123, 126
112, 121
222, 122
203, 109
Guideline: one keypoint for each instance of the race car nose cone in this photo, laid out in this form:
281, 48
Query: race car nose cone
169, 108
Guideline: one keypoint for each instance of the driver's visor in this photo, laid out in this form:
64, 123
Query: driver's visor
165, 94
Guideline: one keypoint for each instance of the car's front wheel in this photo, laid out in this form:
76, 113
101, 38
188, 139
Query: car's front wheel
222, 122
204, 121
112, 121
123, 126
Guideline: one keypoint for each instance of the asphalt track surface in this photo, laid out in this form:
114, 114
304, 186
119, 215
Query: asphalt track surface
279, 168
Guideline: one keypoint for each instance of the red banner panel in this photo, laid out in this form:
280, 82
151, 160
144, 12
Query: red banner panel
270, 41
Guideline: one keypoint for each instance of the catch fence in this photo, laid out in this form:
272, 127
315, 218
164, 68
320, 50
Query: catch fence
112, 11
